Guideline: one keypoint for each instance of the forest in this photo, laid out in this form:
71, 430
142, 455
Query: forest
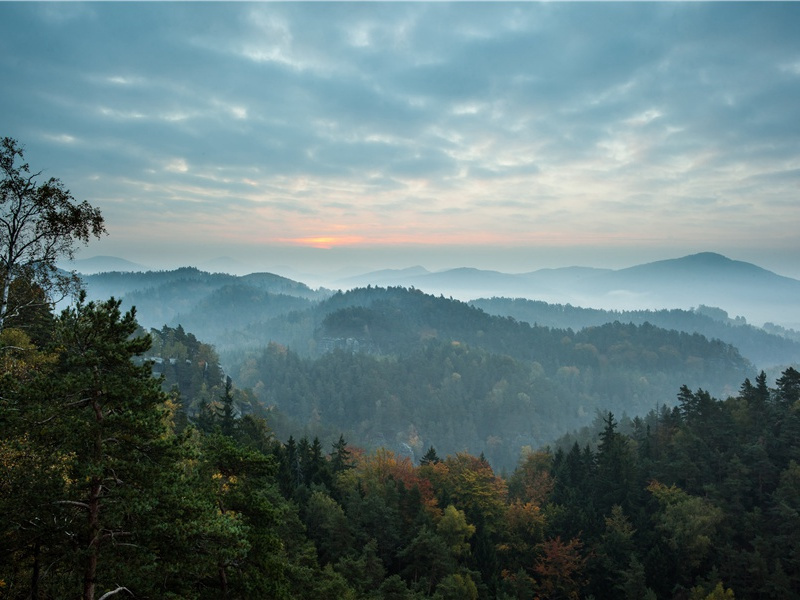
384, 444
110, 488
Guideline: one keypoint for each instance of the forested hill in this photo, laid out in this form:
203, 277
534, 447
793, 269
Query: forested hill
104, 484
763, 348
706, 278
189, 295
397, 321
247, 312
403, 369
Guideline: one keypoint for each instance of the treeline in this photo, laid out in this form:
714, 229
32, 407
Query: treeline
699, 501
103, 494
437, 371
213, 305
236, 314
766, 347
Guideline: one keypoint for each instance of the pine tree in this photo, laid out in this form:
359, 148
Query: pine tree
340, 457
226, 414
430, 457
105, 422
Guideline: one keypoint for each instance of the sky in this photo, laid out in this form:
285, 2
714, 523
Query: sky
338, 137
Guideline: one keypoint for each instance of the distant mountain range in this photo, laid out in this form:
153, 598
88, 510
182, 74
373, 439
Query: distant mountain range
740, 288
113, 264
102, 264
167, 297
381, 360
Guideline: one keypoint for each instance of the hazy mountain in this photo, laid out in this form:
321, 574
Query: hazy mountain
707, 278
380, 362
765, 348
102, 264
385, 360
160, 296
383, 277
226, 264
738, 287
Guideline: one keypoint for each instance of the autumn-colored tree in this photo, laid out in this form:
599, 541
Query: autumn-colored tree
371, 471
524, 533
559, 571
470, 484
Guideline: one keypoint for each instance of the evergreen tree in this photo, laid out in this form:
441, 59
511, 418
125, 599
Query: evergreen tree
107, 425
340, 457
226, 413
430, 457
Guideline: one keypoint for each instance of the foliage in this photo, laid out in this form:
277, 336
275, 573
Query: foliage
39, 224
112, 483
765, 346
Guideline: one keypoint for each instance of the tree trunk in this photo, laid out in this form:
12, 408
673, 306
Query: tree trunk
223, 580
4, 300
35, 571
93, 529
96, 489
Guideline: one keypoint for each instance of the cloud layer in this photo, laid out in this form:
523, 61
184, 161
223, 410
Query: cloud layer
207, 126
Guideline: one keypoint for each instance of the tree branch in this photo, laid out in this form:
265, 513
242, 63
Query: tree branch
73, 503
116, 591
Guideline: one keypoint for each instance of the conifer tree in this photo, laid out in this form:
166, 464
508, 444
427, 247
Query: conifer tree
105, 425
114, 419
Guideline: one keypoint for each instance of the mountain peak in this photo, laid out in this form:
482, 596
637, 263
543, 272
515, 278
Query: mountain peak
706, 257
102, 264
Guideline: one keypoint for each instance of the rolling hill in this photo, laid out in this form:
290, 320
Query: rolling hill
710, 279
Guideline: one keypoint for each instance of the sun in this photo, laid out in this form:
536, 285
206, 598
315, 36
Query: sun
327, 242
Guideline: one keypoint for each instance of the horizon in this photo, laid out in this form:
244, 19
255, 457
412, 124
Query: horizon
233, 266
652, 288
323, 138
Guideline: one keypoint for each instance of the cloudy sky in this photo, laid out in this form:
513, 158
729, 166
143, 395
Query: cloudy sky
510, 136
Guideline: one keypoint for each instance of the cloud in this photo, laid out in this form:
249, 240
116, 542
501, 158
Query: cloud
656, 120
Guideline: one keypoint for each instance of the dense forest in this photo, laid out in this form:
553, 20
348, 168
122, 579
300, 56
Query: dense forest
403, 370
110, 487
236, 313
765, 346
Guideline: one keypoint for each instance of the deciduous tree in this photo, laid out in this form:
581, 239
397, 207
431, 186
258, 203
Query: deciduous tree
40, 223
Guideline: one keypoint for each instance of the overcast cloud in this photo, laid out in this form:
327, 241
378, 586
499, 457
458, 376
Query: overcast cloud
499, 135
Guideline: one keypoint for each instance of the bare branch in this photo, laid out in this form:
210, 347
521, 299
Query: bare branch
77, 402
116, 591
73, 503
48, 419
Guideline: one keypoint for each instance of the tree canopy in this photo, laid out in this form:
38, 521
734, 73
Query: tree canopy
40, 223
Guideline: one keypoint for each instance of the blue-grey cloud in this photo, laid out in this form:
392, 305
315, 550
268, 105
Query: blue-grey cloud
637, 120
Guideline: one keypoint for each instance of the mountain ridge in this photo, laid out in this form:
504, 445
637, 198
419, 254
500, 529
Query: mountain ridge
707, 278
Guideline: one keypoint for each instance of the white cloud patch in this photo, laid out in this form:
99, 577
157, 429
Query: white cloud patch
177, 165
793, 67
61, 138
125, 80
